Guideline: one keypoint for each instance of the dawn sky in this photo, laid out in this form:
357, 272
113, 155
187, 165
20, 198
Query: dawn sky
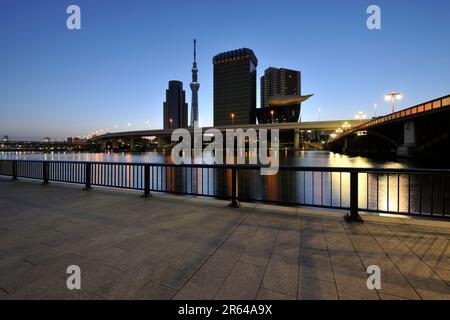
58, 83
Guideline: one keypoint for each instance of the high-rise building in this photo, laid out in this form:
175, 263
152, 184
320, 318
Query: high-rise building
281, 97
281, 82
175, 107
235, 87
194, 87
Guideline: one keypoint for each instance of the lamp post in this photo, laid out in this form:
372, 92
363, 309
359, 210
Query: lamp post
375, 106
393, 96
170, 121
360, 115
319, 110
232, 119
346, 126
271, 114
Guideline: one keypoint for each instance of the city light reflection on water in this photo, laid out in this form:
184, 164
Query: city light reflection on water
383, 192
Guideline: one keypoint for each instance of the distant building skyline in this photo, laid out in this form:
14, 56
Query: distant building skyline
235, 87
279, 81
280, 96
175, 106
112, 74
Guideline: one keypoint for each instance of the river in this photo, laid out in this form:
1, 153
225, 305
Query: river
377, 192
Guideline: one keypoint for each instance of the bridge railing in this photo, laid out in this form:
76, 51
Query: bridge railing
412, 111
402, 191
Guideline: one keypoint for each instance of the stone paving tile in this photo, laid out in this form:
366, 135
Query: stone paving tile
222, 261
385, 296
153, 291
444, 274
313, 240
202, 286
281, 275
51, 288
126, 284
282, 270
352, 284
315, 289
242, 235
265, 294
173, 247
242, 284
260, 247
315, 264
436, 290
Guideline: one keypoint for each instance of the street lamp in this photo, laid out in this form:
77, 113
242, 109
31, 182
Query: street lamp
232, 119
346, 126
319, 110
271, 113
360, 115
392, 96
171, 121
375, 106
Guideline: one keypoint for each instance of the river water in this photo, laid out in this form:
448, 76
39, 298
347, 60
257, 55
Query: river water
377, 191
299, 158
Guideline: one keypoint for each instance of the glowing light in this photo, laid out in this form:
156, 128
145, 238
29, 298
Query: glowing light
393, 96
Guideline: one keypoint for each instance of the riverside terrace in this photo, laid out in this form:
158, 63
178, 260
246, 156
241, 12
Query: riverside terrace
177, 247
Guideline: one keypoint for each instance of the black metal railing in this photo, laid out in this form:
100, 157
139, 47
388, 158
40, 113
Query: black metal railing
403, 191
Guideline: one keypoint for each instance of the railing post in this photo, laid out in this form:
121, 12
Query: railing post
14, 170
87, 177
234, 202
146, 180
45, 171
354, 215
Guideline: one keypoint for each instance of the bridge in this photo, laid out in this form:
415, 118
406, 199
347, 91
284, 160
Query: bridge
421, 130
293, 127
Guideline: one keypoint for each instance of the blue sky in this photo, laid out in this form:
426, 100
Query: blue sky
58, 83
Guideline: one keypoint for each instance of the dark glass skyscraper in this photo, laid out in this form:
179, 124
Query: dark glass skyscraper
175, 107
235, 87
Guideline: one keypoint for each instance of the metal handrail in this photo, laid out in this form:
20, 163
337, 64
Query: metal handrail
250, 166
354, 189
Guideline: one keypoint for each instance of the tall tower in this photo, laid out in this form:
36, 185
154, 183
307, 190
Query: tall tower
194, 87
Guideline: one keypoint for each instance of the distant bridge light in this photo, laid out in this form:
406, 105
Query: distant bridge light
346, 125
360, 115
393, 96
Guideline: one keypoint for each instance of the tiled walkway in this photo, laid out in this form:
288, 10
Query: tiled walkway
174, 247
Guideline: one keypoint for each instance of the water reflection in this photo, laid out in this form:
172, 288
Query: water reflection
288, 158
377, 192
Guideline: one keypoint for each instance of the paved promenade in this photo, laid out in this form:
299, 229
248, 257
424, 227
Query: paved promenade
175, 247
